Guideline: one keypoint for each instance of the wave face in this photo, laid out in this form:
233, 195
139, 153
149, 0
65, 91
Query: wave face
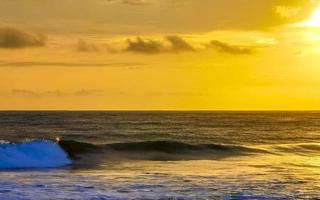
155, 150
32, 154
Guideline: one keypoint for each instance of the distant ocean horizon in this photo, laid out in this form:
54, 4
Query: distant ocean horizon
159, 154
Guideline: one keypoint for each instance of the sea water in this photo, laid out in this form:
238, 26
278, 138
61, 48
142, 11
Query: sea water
159, 155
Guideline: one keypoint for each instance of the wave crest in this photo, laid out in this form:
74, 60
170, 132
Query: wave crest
32, 154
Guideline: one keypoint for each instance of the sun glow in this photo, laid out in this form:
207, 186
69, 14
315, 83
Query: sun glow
314, 20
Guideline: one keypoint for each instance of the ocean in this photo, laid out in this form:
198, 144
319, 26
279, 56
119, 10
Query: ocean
159, 155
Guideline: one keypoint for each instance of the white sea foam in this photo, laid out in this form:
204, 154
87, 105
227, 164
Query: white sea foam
32, 154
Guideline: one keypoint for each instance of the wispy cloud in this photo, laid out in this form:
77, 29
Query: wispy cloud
287, 12
22, 92
224, 47
150, 16
54, 93
131, 2
83, 46
85, 92
14, 38
70, 64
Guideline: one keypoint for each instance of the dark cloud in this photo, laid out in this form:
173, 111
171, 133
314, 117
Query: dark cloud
71, 64
224, 47
83, 46
14, 38
176, 44
144, 46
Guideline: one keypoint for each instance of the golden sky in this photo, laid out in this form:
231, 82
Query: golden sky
160, 54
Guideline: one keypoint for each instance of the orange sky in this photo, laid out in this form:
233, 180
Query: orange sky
159, 55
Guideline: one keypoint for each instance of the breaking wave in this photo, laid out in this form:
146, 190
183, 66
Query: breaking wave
32, 154
52, 154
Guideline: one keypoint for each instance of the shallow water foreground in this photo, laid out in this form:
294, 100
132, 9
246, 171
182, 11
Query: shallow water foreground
255, 177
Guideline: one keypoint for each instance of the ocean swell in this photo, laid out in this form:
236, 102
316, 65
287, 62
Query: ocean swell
304, 149
155, 150
32, 154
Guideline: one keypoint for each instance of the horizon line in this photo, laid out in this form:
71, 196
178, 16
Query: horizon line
157, 110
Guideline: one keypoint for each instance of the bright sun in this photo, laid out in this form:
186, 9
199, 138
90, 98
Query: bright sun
314, 20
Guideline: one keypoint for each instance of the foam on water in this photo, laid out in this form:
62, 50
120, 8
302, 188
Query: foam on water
32, 154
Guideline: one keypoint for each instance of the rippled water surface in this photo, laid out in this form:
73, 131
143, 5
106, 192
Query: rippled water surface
167, 155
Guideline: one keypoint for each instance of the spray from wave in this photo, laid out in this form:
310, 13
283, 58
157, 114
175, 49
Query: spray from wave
32, 154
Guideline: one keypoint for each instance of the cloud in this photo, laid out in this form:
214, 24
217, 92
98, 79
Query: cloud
287, 12
131, 2
98, 16
144, 46
14, 38
176, 44
224, 47
70, 64
84, 92
55, 93
83, 46
135, 2
22, 92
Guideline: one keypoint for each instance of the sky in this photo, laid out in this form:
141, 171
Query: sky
159, 54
